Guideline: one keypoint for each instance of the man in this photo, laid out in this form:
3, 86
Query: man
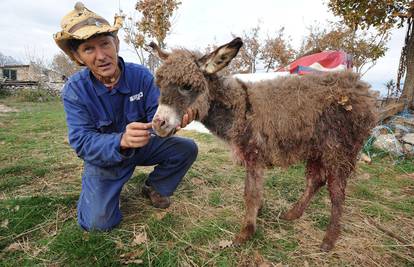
109, 108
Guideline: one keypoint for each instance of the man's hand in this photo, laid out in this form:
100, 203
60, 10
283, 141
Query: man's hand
188, 117
136, 135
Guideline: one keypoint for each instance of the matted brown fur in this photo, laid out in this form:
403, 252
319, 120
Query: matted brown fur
320, 119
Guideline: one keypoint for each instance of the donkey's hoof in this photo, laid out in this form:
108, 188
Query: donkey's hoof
326, 246
289, 216
239, 240
245, 234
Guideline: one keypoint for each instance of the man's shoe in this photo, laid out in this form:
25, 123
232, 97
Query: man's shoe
157, 200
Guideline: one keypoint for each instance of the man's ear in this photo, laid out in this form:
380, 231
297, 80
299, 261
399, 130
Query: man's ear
76, 55
220, 57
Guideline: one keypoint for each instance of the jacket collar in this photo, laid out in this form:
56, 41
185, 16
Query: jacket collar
121, 87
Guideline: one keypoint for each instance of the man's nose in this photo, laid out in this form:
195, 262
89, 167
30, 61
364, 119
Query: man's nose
100, 54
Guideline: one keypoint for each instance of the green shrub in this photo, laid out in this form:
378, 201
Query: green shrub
34, 95
4, 93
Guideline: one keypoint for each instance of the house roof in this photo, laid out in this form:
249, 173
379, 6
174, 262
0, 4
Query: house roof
14, 66
320, 62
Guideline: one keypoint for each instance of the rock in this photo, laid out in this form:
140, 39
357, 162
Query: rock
399, 132
389, 143
408, 138
409, 149
405, 121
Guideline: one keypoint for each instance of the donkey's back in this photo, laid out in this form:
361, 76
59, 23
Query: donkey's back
296, 117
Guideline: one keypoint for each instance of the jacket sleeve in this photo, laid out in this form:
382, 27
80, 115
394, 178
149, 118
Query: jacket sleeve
101, 149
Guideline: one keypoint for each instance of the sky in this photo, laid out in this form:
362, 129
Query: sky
27, 26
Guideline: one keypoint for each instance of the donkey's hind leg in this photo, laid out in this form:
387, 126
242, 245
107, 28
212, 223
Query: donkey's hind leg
315, 179
336, 187
253, 194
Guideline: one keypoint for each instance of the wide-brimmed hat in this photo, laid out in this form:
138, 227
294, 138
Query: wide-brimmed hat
81, 24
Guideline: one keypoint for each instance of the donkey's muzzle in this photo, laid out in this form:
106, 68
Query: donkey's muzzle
162, 128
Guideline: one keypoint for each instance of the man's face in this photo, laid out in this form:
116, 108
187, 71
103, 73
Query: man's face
100, 55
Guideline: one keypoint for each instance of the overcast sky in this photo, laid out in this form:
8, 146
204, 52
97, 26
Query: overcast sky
27, 26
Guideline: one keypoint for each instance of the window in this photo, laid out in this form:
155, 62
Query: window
10, 74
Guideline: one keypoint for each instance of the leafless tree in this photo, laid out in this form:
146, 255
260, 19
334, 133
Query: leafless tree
7, 60
63, 65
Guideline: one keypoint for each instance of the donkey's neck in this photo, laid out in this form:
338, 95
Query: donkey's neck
229, 107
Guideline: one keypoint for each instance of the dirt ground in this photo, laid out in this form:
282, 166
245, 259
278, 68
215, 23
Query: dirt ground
4, 109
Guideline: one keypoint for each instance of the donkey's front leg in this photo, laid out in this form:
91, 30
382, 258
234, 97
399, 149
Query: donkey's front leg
253, 194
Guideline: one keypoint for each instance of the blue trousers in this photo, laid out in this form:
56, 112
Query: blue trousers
98, 206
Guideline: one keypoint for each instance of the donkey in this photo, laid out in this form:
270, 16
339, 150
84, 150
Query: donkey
319, 119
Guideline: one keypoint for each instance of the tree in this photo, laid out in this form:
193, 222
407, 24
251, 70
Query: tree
155, 23
63, 65
384, 15
135, 39
364, 46
277, 51
7, 60
39, 63
246, 60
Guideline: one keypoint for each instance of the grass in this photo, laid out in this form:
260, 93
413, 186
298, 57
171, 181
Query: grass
40, 184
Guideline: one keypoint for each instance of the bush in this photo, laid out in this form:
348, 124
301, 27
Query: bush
34, 95
4, 93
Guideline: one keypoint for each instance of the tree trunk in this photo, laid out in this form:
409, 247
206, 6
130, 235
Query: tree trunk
408, 89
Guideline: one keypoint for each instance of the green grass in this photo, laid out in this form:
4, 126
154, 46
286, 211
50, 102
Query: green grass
84, 249
40, 184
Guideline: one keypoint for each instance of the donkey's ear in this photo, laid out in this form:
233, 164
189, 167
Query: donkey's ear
220, 57
158, 52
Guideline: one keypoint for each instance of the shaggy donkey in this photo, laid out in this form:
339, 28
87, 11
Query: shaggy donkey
320, 119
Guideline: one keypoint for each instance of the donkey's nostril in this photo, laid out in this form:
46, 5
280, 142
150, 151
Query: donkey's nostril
162, 123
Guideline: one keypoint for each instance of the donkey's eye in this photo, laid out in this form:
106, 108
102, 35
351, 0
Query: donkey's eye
184, 89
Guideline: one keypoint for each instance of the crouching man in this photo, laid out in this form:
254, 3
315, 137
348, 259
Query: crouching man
109, 107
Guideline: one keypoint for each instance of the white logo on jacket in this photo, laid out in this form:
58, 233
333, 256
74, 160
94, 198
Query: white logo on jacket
136, 97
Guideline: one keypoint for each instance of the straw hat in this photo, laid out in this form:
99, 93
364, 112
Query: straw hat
81, 24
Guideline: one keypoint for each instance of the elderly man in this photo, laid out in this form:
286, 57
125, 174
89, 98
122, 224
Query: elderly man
109, 107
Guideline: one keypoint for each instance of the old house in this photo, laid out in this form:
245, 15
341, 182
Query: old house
18, 73
30, 75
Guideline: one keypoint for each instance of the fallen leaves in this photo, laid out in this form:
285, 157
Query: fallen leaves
197, 181
5, 223
139, 239
85, 236
159, 215
260, 260
344, 101
365, 158
136, 261
348, 108
119, 244
13, 247
225, 244
132, 257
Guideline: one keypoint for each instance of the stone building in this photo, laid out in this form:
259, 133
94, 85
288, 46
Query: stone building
32, 73
18, 73
13, 77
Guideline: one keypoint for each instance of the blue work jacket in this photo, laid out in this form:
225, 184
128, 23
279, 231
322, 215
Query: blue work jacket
96, 117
